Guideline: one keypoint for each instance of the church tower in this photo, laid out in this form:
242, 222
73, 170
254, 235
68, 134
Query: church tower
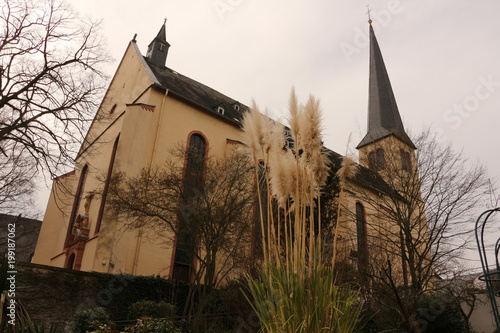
158, 48
386, 146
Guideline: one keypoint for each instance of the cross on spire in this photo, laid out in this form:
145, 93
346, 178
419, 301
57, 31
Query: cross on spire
368, 11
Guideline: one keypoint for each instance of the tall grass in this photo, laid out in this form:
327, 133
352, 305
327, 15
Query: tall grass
295, 291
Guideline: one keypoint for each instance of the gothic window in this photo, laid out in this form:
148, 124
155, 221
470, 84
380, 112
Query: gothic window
76, 203
195, 164
361, 239
106, 186
372, 159
405, 160
193, 181
377, 160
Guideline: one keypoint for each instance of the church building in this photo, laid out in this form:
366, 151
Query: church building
147, 110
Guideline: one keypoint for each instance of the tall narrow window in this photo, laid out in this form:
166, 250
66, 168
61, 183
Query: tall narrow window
106, 186
76, 204
405, 160
195, 165
361, 239
380, 159
372, 159
377, 160
193, 189
404, 257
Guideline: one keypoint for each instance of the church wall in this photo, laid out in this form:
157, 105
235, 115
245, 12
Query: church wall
147, 134
55, 222
129, 82
115, 245
143, 142
155, 256
392, 150
382, 236
89, 255
349, 197
178, 121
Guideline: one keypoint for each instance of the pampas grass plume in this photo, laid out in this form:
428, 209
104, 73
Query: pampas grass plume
277, 171
251, 127
348, 170
294, 120
310, 130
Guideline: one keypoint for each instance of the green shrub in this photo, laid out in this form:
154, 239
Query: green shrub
151, 309
118, 292
151, 325
90, 320
437, 314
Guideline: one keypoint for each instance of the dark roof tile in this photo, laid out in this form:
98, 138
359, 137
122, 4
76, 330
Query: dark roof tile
199, 94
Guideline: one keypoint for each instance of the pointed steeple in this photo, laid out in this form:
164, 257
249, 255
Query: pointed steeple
383, 114
158, 48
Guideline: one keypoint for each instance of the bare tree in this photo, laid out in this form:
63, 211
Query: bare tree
17, 183
207, 211
467, 292
50, 81
420, 222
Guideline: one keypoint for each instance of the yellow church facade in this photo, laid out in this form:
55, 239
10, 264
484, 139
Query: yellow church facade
137, 124
149, 109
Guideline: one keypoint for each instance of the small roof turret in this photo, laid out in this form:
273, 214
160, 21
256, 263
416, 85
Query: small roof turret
158, 48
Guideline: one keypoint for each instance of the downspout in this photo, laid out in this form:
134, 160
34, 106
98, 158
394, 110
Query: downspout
158, 127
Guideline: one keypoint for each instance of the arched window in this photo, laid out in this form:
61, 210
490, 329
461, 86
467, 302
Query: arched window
106, 186
76, 203
372, 159
377, 160
195, 165
192, 191
405, 160
362, 239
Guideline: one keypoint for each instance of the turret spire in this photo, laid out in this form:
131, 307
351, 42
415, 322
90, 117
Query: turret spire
158, 48
383, 114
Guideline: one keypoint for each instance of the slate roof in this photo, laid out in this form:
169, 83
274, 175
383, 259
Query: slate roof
199, 94
211, 100
383, 114
365, 177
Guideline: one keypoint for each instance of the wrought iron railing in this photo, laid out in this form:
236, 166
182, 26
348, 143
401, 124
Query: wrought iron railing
491, 273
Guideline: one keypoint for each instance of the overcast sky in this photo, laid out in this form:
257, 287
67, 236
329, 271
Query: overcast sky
442, 58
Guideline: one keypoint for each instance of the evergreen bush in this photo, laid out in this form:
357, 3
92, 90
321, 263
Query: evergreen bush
90, 320
151, 309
